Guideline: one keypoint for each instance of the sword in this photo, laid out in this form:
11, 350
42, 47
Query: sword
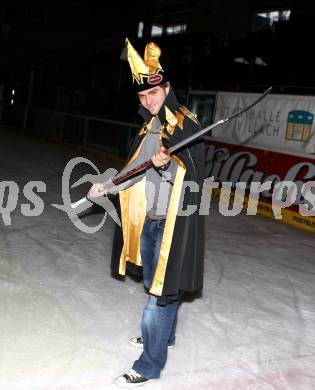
148, 164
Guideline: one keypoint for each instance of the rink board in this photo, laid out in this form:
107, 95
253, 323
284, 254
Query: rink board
237, 163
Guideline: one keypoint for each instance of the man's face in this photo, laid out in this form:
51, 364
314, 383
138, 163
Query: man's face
152, 99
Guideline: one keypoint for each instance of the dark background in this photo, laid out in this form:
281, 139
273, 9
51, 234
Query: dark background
65, 55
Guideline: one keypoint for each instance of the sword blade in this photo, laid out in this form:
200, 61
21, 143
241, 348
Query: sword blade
193, 137
147, 164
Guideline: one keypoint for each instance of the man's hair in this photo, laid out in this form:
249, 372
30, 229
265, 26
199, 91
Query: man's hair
166, 84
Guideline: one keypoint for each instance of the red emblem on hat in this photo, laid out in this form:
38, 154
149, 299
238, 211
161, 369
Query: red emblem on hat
155, 79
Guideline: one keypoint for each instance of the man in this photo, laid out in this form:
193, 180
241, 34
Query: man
158, 234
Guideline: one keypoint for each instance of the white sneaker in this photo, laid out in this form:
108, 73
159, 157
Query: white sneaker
138, 342
131, 379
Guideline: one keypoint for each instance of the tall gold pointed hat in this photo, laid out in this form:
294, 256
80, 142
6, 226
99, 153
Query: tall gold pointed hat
148, 72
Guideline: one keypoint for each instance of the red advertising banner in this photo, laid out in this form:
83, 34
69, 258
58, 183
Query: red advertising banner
228, 163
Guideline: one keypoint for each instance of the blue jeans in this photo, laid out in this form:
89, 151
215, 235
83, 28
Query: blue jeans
158, 322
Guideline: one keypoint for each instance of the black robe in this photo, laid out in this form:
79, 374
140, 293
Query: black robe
182, 268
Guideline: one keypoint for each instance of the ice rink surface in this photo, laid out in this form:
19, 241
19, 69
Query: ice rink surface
65, 321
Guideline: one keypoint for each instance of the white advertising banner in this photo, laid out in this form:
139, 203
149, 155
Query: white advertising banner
279, 122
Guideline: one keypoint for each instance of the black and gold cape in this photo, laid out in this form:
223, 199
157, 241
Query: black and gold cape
180, 264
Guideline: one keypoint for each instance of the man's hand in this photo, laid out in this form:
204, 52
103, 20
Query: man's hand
97, 190
161, 158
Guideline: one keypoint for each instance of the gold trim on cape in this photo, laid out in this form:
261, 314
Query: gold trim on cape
190, 115
180, 120
170, 117
159, 276
146, 127
133, 212
129, 199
